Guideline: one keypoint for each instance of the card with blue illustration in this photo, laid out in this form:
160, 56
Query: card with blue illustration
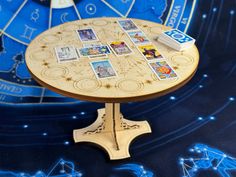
138, 37
127, 25
179, 36
94, 51
94, 45
103, 69
87, 35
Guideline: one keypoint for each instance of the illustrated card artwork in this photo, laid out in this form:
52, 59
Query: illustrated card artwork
127, 25
66, 53
163, 70
87, 35
94, 51
120, 48
179, 36
138, 37
150, 52
94, 45
103, 69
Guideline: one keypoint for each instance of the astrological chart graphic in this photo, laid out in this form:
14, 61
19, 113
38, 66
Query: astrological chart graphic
193, 128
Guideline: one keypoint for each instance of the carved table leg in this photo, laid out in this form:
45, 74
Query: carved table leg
112, 132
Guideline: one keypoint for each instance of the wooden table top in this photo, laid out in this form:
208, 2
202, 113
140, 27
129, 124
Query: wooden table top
135, 81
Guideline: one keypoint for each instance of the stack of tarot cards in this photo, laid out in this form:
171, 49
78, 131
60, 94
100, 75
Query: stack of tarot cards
176, 39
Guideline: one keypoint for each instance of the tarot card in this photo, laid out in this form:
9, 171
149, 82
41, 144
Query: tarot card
66, 53
150, 52
87, 35
163, 70
94, 45
138, 37
103, 69
127, 25
178, 36
120, 48
94, 51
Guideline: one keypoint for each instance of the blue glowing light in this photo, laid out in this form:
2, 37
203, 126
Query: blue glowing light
172, 98
136, 170
82, 113
25, 126
74, 117
66, 143
200, 118
212, 117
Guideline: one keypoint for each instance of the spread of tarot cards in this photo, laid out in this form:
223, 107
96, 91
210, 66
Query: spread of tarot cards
109, 58
94, 49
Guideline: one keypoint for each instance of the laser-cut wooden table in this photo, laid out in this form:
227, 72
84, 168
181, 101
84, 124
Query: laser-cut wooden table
135, 81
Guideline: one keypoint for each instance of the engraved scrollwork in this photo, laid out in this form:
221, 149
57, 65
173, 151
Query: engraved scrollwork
100, 128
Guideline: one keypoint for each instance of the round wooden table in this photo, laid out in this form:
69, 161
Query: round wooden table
135, 80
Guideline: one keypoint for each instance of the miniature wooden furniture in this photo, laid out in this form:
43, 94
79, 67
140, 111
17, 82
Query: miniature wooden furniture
135, 81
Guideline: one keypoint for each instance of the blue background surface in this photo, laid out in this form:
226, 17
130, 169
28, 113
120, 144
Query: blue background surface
193, 128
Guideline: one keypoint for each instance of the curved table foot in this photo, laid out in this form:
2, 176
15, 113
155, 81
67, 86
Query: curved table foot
115, 140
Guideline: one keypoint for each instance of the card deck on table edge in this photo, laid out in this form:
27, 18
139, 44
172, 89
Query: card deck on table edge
174, 46
175, 40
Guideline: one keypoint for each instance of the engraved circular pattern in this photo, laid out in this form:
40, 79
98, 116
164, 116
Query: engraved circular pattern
39, 55
50, 38
100, 22
56, 72
135, 80
156, 29
87, 84
129, 85
69, 27
183, 60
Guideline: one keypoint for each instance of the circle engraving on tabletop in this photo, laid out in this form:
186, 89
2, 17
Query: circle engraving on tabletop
69, 27
129, 85
100, 22
41, 55
87, 84
49, 38
56, 72
182, 60
156, 29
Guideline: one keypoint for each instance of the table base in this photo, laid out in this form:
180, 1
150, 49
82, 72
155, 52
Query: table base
112, 132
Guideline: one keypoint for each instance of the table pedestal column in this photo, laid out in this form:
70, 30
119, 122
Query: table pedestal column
112, 132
